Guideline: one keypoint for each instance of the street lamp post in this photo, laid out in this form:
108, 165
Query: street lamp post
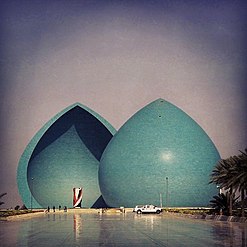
167, 192
161, 200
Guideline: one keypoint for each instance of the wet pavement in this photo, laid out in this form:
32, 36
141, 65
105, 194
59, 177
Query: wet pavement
129, 229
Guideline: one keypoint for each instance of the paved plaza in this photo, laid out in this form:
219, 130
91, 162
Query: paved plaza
82, 228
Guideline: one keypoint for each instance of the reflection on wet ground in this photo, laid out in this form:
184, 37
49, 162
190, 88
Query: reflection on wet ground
93, 229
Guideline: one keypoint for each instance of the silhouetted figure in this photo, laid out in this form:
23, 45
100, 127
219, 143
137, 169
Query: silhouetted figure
54, 209
48, 209
59, 207
65, 209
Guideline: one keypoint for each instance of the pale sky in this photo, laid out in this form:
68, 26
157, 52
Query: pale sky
115, 57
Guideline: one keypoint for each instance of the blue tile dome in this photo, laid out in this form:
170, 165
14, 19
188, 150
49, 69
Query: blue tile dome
160, 155
65, 153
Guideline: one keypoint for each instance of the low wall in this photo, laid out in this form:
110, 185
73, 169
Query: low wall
215, 217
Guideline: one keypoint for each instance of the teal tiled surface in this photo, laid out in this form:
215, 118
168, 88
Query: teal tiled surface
159, 156
64, 154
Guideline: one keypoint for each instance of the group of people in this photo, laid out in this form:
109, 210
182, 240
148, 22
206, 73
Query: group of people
54, 209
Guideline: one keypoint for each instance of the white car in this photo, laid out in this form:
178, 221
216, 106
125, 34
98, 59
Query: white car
139, 209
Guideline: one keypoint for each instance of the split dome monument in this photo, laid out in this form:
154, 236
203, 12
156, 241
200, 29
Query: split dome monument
160, 153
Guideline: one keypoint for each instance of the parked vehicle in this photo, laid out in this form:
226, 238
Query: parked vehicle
139, 209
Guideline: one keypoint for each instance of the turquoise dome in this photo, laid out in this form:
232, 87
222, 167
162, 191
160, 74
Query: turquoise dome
159, 156
64, 154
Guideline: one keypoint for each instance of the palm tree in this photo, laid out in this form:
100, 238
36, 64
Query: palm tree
231, 174
220, 202
222, 175
1, 195
242, 178
239, 179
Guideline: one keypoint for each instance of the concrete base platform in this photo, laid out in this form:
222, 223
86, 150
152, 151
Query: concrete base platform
80, 227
